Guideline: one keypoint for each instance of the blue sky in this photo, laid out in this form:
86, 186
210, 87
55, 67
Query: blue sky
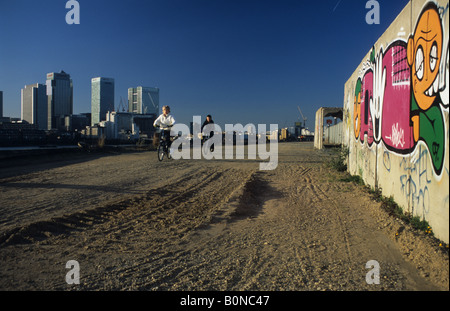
243, 61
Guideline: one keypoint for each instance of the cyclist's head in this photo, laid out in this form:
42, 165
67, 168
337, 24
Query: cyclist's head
166, 109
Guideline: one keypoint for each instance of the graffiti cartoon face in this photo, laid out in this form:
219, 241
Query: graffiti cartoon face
424, 57
357, 109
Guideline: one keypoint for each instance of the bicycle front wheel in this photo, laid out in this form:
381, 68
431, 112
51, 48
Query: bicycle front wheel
161, 152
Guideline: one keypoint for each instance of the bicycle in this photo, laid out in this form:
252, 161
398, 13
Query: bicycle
205, 139
163, 147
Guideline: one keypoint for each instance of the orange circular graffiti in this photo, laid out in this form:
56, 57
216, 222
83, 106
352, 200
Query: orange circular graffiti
424, 57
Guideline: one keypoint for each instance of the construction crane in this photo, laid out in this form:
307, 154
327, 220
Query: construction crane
153, 103
303, 117
121, 105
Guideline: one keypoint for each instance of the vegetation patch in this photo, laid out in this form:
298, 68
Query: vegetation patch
339, 159
353, 178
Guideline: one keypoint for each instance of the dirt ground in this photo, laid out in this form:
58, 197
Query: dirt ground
134, 223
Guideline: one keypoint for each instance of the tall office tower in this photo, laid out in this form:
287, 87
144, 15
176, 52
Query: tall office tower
1, 104
60, 98
143, 100
102, 98
34, 105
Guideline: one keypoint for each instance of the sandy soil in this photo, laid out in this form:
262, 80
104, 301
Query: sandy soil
134, 223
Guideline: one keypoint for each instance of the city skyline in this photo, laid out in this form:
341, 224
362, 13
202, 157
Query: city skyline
241, 61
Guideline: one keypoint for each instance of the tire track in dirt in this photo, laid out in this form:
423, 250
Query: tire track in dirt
42, 230
167, 222
321, 194
321, 230
242, 205
56, 191
156, 221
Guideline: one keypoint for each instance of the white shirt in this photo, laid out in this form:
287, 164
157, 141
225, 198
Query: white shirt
164, 121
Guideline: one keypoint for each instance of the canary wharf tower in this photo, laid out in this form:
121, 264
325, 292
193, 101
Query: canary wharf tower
102, 98
60, 98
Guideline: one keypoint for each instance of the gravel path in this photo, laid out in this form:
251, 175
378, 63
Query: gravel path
134, 223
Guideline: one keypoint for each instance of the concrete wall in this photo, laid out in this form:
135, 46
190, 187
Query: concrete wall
333, 134
325, 136
318, 130
396, 113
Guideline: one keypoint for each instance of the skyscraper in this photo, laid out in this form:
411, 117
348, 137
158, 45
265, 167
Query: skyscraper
1, 104
102, 98
34, 105
143, 100
60, 98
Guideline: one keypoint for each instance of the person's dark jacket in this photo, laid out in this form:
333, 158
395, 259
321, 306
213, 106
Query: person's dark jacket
205, 124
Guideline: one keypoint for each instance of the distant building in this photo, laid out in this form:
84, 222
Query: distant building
77, 122
145, 123
143, 100
60, 99
102, 98
1, 104
123, 121
34, 105
20, 133
123, 126
118, 126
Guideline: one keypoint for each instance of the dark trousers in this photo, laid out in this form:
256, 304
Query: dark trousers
165, 135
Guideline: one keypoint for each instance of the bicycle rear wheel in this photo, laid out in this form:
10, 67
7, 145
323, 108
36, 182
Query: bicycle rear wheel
161, 152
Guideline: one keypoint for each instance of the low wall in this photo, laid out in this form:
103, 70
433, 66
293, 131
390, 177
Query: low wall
396, 114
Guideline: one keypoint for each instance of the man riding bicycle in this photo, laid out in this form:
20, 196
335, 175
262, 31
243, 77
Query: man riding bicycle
165, 121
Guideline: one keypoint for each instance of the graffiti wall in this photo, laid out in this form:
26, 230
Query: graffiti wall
396, 114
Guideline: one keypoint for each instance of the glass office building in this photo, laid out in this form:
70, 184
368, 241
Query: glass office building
102, 98
143, 100
60, 99
34, 105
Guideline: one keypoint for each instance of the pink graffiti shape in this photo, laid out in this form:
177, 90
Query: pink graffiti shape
395, 129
